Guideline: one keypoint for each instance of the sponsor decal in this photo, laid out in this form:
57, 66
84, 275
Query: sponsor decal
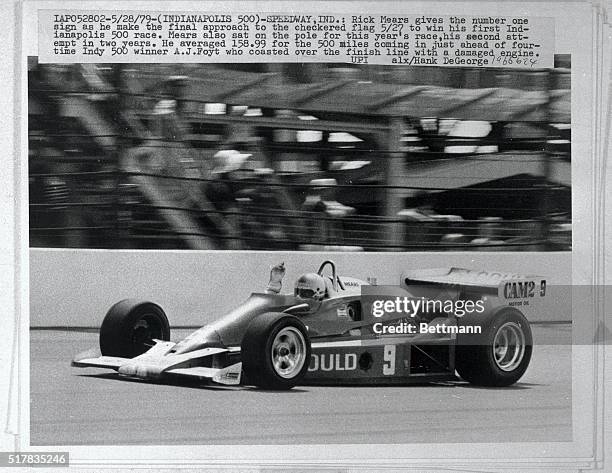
333, 362
524, 289
342, 311
230, 375
484, 277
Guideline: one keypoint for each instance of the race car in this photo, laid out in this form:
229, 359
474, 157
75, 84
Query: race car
339, 330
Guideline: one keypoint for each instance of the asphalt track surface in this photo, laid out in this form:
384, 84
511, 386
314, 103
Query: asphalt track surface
88, 406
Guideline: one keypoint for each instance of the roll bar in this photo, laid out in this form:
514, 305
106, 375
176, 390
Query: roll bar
335, 279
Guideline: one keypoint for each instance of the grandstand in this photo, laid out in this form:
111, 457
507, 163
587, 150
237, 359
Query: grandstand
299, 157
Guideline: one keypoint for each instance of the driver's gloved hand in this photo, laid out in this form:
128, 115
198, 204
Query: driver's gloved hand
276, 278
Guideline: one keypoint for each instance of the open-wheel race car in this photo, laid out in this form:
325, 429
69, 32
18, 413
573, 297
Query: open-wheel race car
339, 330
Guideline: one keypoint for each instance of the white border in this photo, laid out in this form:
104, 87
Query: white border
571, 18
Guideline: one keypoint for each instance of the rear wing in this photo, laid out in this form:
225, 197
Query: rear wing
507, 286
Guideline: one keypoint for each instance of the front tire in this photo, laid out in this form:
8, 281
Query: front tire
275, 351
502, 354
130, 326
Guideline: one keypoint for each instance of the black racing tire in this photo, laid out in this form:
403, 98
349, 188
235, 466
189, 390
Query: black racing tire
500, 355
275, 351
130, 326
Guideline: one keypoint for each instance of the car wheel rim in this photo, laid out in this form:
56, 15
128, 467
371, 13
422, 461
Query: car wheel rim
509, 346
288, 352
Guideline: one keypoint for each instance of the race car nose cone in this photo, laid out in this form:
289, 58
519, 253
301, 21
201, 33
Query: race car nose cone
202, 338
140, 370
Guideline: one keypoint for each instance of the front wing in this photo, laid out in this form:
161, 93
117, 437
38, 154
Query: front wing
158, 363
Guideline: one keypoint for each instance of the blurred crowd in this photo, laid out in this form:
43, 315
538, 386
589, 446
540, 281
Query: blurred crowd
123, 156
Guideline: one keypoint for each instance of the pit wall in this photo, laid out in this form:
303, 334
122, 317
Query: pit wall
75, 288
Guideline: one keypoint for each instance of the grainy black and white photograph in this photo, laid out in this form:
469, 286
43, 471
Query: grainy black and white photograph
295, 254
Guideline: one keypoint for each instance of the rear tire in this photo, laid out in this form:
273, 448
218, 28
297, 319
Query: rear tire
275, 351
130, 326
502, 354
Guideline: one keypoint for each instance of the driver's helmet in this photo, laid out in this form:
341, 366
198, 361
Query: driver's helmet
310, 286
